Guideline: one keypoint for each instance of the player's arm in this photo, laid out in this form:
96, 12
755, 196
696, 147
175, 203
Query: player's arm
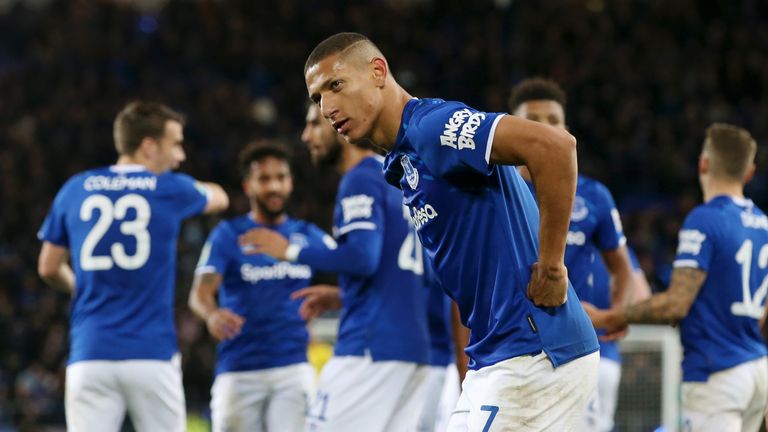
218, 200
317, 299
764, 326
53, 267
620, 267
358, 255
642, 287
667, 307
550, 155
222, 323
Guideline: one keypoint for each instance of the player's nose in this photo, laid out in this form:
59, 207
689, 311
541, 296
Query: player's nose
305, 134
329, 110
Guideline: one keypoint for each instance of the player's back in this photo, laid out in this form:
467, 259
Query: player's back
121, 225
727, 238
383, 313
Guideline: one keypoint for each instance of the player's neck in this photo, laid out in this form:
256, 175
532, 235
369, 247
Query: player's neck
137, 160
715, 188
265, 219
351, 156
385, 133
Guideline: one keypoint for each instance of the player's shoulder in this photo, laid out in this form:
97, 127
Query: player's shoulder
175, 178
707, 214
426, 112
367, 174
78, 182
589, 185
235, 226
292, 224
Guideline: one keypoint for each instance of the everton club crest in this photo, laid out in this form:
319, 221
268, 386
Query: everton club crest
411, 173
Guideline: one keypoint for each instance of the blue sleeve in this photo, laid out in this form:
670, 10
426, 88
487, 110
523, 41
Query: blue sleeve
609, 234
54, 229
188, 195
358, 255
318, 238
359, 217
454, 140
218, 250
696, 241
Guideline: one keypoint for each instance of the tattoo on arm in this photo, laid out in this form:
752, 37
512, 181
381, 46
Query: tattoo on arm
672, 305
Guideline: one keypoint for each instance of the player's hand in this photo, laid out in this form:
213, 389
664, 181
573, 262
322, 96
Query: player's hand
608, 319
616, 334
317, 299
264, 240
548, 287
224, 324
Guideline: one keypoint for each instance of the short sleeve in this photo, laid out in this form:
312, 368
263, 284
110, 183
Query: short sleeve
453, 139
218, 251
189, 196
360, 205
696, 241
609, 234
54, 229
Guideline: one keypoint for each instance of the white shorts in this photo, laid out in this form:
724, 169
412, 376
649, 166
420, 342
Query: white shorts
442, 392
734, 399
601, 407
356, 394
98, 393
526, 394
273, 399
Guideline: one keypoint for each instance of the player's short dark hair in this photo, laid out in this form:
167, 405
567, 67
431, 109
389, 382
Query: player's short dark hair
258, 151
139, 120
536, 89
332, 45
732, 150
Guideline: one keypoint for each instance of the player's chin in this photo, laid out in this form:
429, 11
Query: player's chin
355, 139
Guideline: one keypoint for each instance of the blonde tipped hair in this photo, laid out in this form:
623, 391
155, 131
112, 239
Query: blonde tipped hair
731, 150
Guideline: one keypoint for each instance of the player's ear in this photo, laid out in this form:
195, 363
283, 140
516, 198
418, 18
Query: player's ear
703, 164
750, 173
246, 186
148, 147
379, 71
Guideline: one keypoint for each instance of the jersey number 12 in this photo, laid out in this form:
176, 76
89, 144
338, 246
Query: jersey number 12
751, 306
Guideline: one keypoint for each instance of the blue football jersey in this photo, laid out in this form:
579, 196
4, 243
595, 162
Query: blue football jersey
595, 226
438, 319
600, 296
383, 313
479, 225
258, 288
121, 224
727, 238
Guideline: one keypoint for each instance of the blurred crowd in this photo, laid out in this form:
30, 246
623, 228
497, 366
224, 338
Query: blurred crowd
644, 77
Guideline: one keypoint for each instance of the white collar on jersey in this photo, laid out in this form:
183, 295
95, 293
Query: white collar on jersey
127, 168
742, 202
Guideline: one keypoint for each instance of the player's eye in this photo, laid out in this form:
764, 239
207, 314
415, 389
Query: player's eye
335, 85
315, 99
